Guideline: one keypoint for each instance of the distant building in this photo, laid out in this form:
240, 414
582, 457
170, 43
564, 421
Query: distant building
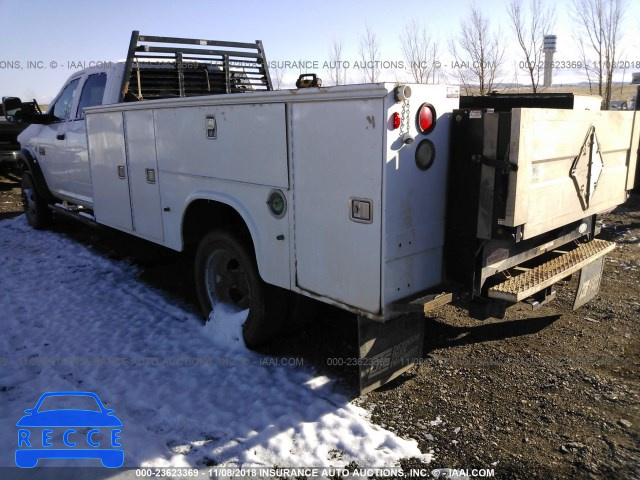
549, 48
635, 78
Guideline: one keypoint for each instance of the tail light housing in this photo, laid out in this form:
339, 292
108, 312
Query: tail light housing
426, 118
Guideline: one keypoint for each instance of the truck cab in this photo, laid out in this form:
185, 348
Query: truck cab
62, 135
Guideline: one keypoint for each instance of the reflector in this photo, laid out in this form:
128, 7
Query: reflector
425, 154
395, 120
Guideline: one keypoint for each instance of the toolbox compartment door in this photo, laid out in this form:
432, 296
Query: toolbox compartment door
109, 170
338, 157
143, 174
240, 143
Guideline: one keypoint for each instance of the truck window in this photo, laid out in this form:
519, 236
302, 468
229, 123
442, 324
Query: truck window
92, 92
62, 108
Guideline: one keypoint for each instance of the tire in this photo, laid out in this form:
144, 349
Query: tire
226, 271
35, 207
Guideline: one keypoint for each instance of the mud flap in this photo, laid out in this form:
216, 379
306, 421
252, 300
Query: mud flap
589, 285
388, 349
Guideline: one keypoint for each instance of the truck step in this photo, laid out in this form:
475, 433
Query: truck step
429, 300
79, 214
522, 286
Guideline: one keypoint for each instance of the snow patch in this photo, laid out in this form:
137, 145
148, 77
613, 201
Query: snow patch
187, 395
224, 326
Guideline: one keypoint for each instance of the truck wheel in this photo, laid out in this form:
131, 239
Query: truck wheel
35, 207
226, 272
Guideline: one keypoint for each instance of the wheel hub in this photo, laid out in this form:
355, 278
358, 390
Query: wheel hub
226, 280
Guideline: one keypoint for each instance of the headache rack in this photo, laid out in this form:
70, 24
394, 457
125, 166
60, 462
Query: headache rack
169, 67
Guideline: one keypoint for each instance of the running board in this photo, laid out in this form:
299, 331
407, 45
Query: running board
76, 214
523, 286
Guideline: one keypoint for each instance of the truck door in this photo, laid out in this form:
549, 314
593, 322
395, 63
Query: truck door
51, 143
92, 94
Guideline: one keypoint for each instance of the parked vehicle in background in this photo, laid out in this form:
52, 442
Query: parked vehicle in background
9, 145
618, 105
630, 104
385, 199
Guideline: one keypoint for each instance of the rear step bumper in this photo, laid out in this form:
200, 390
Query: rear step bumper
522, 286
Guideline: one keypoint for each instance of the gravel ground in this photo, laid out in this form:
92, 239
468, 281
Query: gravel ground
9, 192
549, 393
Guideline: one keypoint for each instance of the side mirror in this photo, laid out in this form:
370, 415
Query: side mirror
12, 107
29, 112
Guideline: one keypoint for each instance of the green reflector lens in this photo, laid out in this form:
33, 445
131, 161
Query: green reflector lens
277, 203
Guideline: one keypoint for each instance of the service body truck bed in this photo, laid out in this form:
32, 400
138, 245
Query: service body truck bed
323, 148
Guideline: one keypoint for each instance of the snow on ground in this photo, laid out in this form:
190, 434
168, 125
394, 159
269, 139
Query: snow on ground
187, 395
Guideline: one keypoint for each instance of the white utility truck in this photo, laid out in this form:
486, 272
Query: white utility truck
382, 199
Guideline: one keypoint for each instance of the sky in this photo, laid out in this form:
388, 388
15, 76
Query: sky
45, 41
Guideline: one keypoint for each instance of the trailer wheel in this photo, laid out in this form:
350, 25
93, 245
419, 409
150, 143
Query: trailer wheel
226, 272
35, 207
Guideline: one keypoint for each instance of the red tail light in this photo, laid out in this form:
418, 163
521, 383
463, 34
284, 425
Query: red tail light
426, 118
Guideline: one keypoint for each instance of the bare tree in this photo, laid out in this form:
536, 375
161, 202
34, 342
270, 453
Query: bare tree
599, 23
478, 54
369, 55
530, 27
276, 77
337, 71
588, 67
420, 52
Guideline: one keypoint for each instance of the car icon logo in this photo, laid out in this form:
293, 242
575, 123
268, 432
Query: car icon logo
69, 425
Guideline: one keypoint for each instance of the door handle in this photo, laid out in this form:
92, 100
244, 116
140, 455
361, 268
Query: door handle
121, 173
60, 136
